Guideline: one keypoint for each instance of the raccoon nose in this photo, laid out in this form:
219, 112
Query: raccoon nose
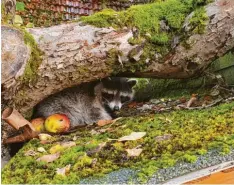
116, 108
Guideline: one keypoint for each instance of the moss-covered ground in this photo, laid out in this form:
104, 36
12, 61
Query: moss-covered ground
192, 133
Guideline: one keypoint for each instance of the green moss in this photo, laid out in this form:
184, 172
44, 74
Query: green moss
147, 20
194, 133
157, 88
160, 39
199, 20
202, 151
83, 161
112, 60
223, 62
134, 41
31, 68
105, 18
189, 158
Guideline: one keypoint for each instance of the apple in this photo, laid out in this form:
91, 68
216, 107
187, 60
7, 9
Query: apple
57, 123
38, 124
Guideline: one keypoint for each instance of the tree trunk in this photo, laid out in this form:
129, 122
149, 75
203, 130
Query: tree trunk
75, 53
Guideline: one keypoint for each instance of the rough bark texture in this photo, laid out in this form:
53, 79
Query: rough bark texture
73, 53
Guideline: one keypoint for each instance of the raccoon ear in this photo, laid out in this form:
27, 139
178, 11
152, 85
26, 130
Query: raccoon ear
97, 88
132, 82
106, 79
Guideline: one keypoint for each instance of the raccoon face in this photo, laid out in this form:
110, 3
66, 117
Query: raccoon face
116, 92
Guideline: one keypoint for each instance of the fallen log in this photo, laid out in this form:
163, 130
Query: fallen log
50, 59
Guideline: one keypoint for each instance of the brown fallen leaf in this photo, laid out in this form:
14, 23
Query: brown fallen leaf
68, 144
102, 123
49, 158
133, 136
45, 142
192, 100
30, 153
182, 100
134, 152
132, 105
63, 171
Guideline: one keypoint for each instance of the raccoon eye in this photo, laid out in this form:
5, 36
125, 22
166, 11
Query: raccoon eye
107, 96
124, 98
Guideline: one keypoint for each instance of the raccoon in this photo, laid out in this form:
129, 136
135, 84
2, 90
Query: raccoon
89, 102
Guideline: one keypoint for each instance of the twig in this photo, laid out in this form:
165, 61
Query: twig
207, 106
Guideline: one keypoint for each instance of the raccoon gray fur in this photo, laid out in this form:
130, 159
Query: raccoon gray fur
89, 102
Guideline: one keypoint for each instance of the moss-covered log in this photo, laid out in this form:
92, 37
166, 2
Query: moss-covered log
169, 39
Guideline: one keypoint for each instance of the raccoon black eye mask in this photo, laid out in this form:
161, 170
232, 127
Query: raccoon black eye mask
89, 102
125, 99
109, 97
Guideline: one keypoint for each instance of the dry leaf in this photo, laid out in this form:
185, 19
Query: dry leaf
68, 144
133, 136
105, 129
45, 142
49, 158
192, 100
94, 162
63, 171
41, 149
74, 138
94, 132
164, 137
102, 123
182, 100
97, 149
132, 105
134, 152
44, 137
30, 153
116, 119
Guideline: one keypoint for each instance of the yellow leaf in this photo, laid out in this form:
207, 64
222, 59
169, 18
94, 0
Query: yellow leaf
133, 136
134, 152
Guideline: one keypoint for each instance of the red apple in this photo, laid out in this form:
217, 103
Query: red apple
57, 123
38, 124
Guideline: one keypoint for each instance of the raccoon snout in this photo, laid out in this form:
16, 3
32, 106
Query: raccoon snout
116, 108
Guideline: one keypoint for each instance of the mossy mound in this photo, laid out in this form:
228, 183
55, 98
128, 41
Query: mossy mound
192, 133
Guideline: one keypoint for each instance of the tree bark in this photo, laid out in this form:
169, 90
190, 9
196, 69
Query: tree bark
75, 53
